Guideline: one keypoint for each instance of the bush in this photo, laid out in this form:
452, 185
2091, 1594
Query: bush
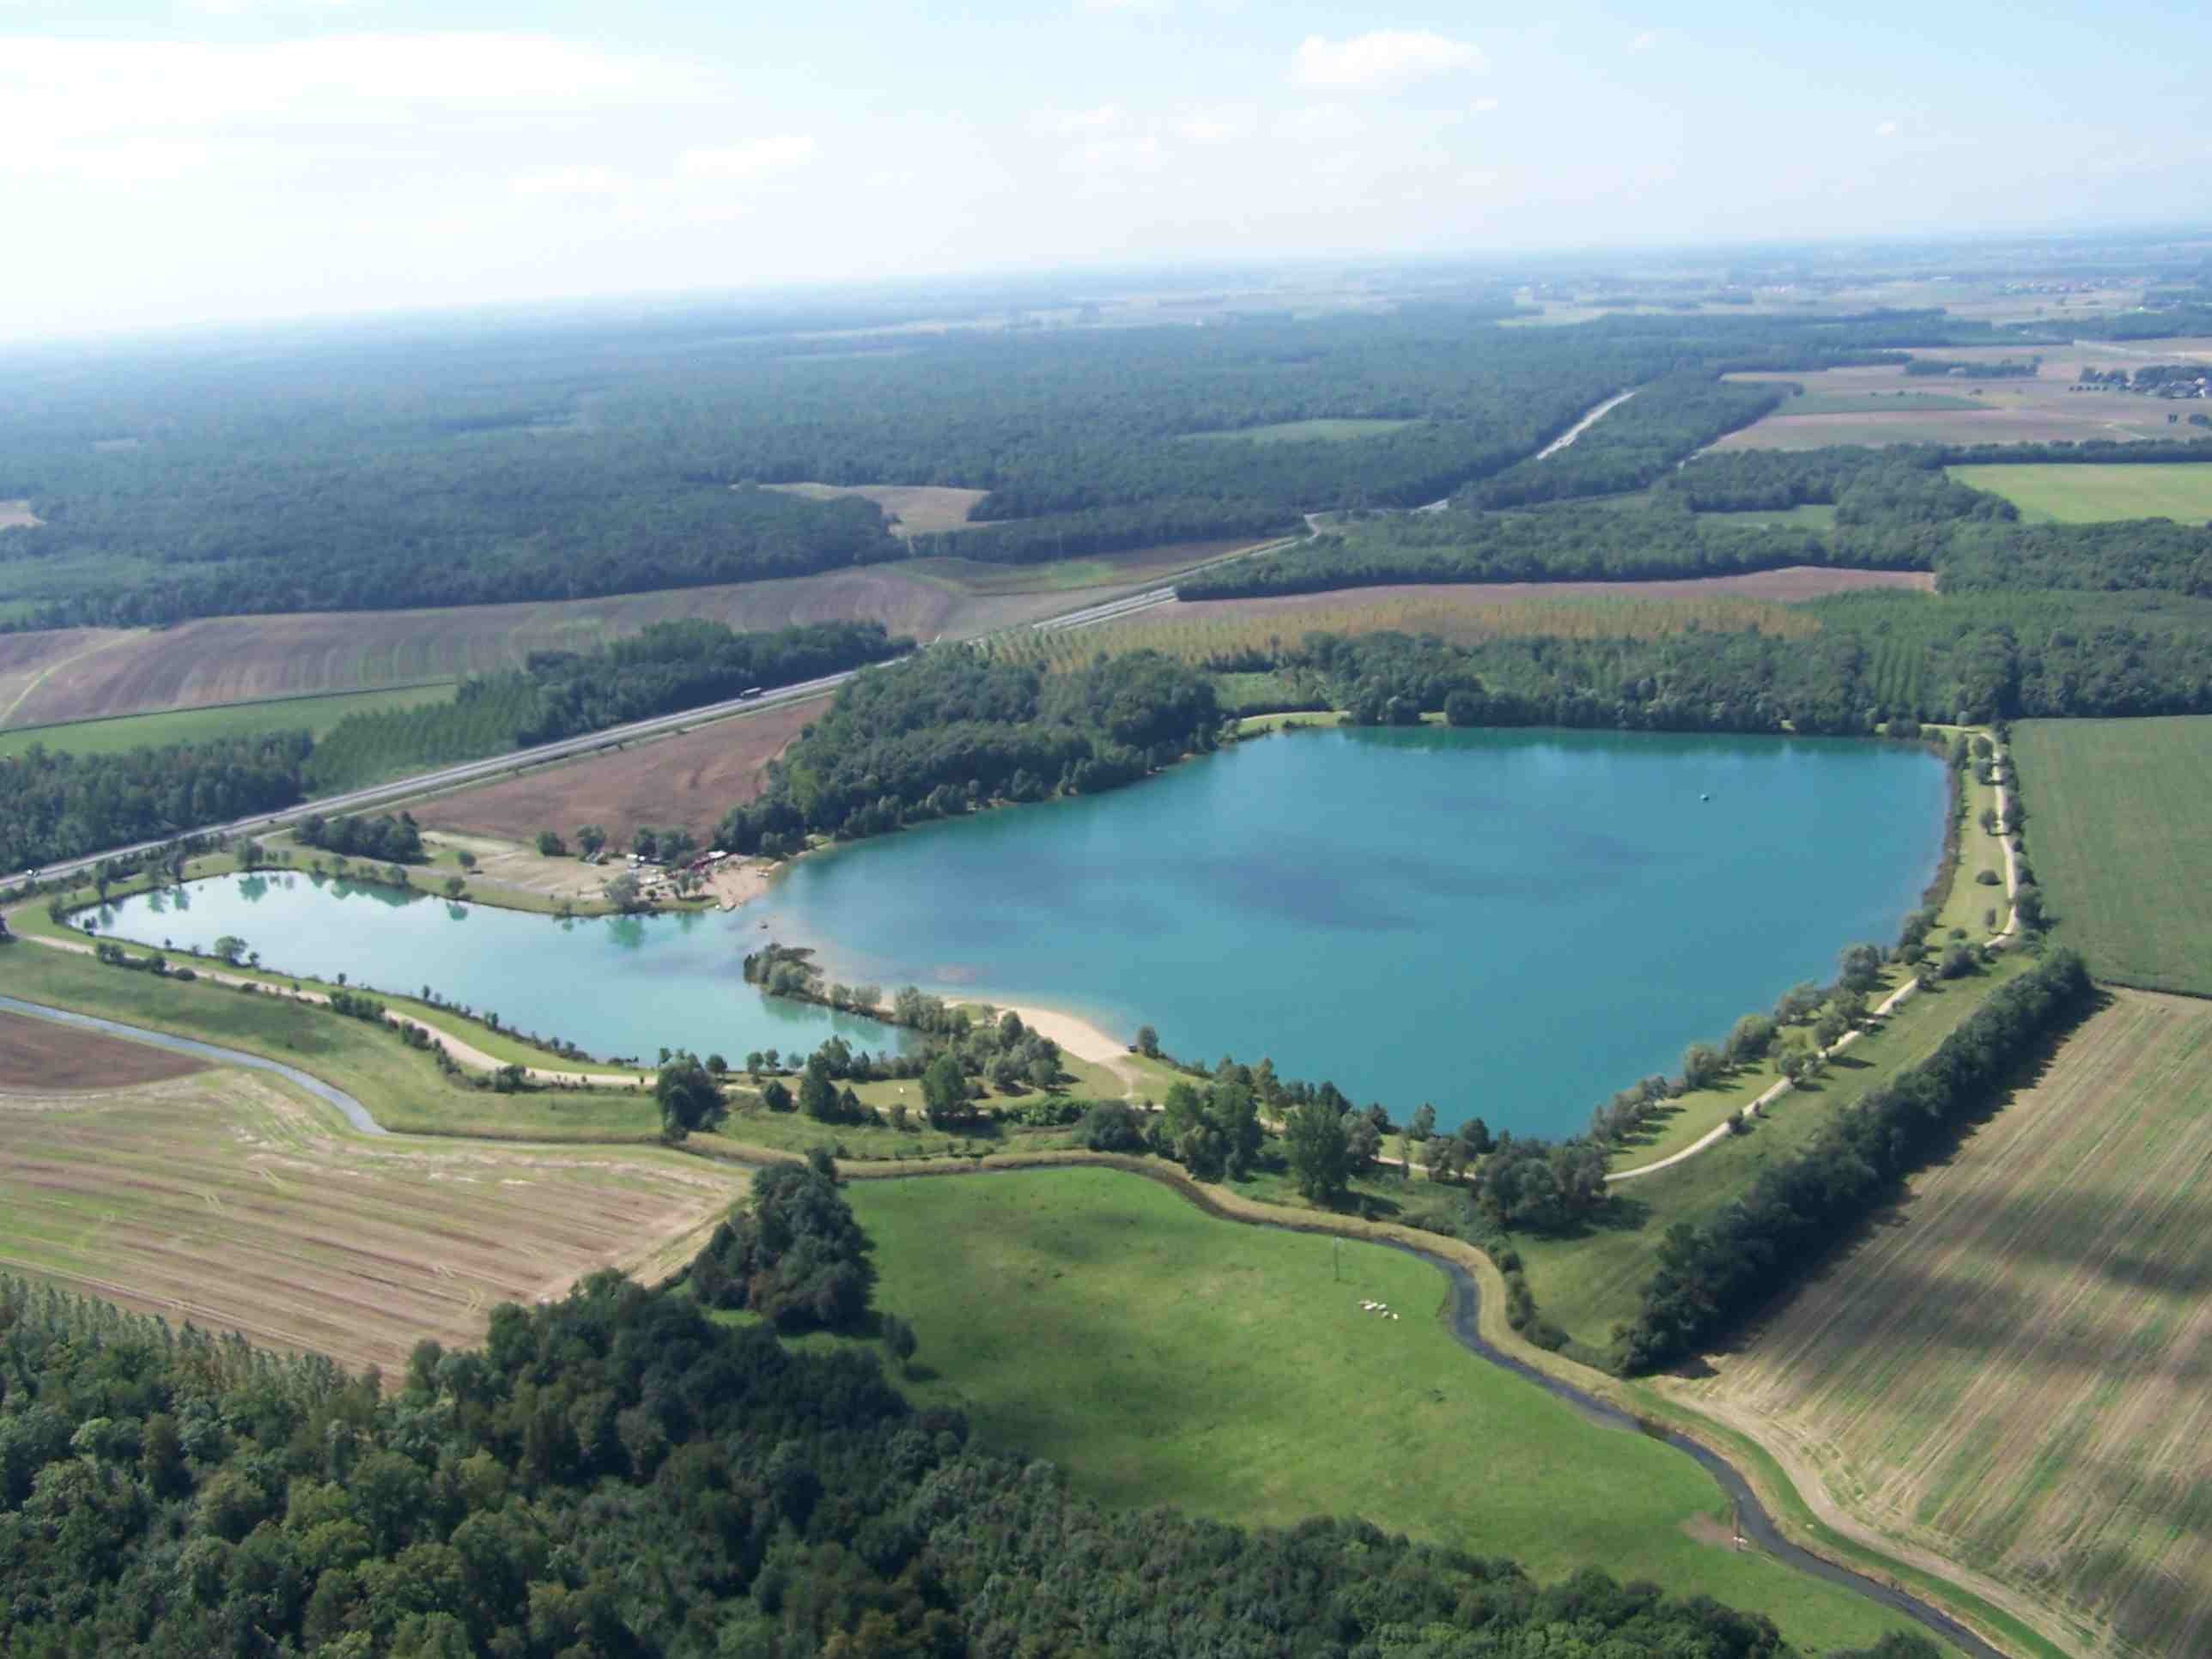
1113, 1126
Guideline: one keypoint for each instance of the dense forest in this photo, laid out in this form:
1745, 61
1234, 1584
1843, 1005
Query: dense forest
1712, 1274
949, 730
1634, 444
361, 468
619, 1473
56, 806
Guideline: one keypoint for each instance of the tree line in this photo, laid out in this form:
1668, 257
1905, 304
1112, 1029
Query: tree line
56, 806
948, 731
1711, 1274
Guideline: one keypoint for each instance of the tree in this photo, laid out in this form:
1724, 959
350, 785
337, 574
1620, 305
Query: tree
775, 1096
900, 1341
551, 845
1798, 1057
465, 859
455, 887
624, 893
1424, 1121
229, 948
945, 1092
689, 1099
591, 838
1701, 1065
1148, 1042
1363, 1141
1318, 1158
818, 1095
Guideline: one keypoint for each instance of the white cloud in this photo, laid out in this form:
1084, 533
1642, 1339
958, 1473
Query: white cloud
1478, 178
244, 7
570, 181
1380, 62
1643, 41
1482, 106
1217, 126
1126, 8
1887, 129
1080, 122
1318, 123
748, 163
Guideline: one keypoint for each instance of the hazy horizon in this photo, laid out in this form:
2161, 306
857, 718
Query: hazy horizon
229, 160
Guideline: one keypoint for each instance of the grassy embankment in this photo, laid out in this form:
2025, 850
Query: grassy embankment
2119, 833
119, 734
402, 1087
1162, 1356
2068, 494
2050, 1274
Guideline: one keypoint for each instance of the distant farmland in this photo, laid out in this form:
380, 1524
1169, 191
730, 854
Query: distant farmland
226, 1200
2009, 1371
2119, 834
125, 732
2092, 495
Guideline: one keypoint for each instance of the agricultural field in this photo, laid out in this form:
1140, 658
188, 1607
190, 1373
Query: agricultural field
2008, 1371
120, 734
1292, 432
684, 782
1161, 1356
911, 509
77, 674
2119, 835
1883, 405
229, 1199
38, 1057
2096, 495
1196, 630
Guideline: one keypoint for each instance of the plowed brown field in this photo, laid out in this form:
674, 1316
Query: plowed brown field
677, 783
37, 1055
223, 1199
2010, 1372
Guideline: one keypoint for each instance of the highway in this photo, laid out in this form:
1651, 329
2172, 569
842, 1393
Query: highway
447, 777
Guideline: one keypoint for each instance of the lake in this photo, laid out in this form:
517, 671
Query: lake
1512, 924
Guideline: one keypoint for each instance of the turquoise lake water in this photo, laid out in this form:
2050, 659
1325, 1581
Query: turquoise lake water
1508, 924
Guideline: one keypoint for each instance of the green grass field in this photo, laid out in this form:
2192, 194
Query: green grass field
1161, 1356
122, 734
1866, 402
2091, 494
1292, 432
2119, 835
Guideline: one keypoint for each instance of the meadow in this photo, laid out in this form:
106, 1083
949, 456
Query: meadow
118, 734
2119, 834
1161, 1356
2007, 1371
2095, 494
229, 1199
1864, 405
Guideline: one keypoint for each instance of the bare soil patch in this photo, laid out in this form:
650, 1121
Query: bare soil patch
684, 782
38, 1056
17, 515
913, 509
225, 1200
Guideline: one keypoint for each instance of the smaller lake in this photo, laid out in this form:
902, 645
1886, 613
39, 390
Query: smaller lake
615, 985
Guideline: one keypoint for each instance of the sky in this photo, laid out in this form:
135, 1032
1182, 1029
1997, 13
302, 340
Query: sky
229, 160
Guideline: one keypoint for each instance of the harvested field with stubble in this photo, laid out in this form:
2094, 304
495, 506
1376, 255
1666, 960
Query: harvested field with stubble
38, 1056
228, 1199
76, 674
2008, 1371
1200, 628
685, 782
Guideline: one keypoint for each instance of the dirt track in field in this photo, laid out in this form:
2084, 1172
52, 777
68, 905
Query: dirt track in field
2010, 1371
38, 1056
224, 1200
677, 783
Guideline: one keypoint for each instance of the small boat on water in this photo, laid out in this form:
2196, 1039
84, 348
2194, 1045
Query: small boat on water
1705, 798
